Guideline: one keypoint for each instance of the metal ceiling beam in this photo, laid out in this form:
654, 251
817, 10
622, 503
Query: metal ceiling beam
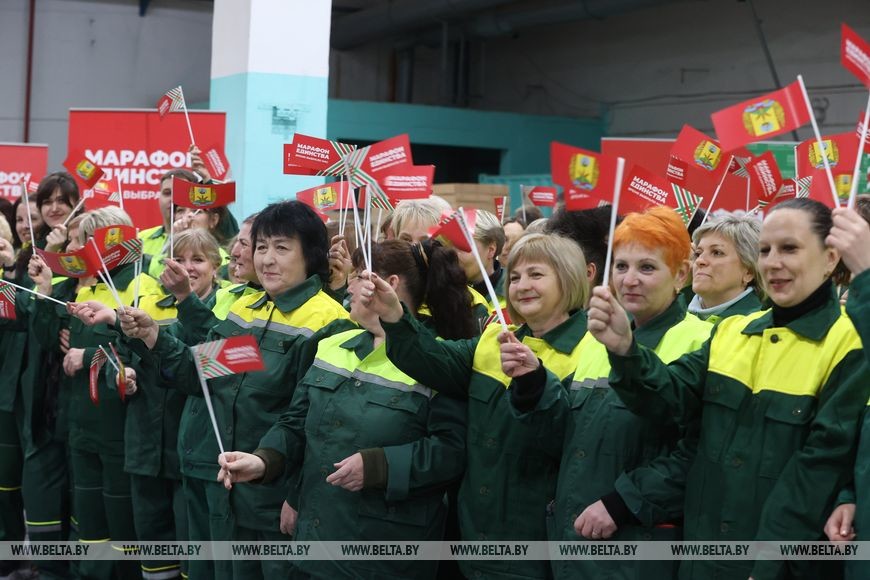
400, 16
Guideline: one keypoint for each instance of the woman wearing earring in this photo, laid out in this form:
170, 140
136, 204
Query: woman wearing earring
606, 449
778, 395
724, 269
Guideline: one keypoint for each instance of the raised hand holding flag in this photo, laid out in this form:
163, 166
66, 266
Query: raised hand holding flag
172, 101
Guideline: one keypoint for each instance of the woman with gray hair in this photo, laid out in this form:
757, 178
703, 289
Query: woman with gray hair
724, 268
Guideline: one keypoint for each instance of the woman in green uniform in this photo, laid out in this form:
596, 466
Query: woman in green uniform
778, 394
606, 449
851, 519
101, 494
290, 258
725, 267
395, 444
512, 466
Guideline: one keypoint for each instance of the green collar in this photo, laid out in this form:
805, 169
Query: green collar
814, 325
160, 232
292, 298
123, 275
651, 334
565, 336
361, 344
746, 305
169, 300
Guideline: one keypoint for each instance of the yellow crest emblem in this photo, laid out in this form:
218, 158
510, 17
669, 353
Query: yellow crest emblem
763, 118
85, 169
73, 265
324, 197
113, 237
844, 185
831, 151
708, 155
202, 196
583, 171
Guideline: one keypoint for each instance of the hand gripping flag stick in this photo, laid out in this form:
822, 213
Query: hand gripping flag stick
460, 216
617, 188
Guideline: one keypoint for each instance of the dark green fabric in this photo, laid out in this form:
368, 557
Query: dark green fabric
794, 453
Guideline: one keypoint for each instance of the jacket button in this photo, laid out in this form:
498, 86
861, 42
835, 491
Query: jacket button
797, 412
323, 472
723, 528
229, 430
358, 384
490, 442
736, 462
484, 490
318, 379
394, 399
579, 454
316, 522
774, 338
337, 423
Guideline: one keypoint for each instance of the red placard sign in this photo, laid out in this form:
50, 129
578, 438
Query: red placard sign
20, 163
137, 146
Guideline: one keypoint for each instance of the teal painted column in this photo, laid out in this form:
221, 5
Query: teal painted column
269, 72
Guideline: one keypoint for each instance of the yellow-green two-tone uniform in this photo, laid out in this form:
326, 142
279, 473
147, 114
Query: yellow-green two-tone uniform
858, 308
604, 442
203, 495
247, 405
353, 399
512, 465
151, 442
101, 492
779, 408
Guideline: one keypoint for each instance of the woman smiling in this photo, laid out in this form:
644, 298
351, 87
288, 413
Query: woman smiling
724, 270
511, 471
778, 395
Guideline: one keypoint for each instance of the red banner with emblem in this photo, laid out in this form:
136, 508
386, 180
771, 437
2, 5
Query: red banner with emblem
761, 118
138, 147
202, 196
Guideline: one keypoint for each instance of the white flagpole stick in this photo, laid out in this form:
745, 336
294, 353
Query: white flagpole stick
120, 191
356, 221
109, 358
137, 272
861, 141
207, 397
460, 216
186, 116
523, 204
748, 189
822, 151
29, 219
40, 294
74, 210
367, 228
716, 192
342, 206
378, 228
172, 222
107, 278
614, 210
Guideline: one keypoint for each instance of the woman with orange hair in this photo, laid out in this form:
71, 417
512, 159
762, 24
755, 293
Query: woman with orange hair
616, 479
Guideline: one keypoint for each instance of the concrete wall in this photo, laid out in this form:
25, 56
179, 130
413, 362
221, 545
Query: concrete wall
98, 54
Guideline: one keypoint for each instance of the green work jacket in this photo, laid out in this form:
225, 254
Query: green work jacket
512, 465
353, 398
96, 427
247, 405
603, 440
778, 409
